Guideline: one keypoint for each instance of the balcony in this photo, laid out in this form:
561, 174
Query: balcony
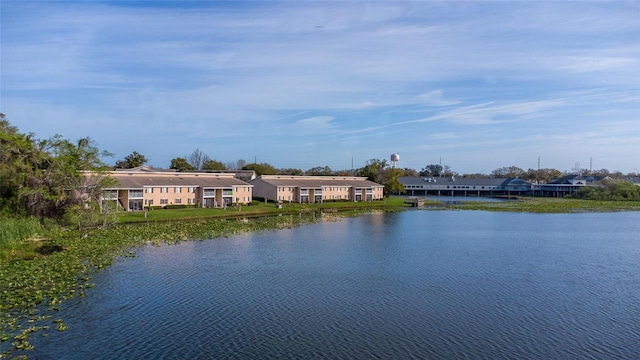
136, 194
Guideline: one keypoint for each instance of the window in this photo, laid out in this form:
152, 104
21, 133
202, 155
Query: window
191, 201
177, 190
178, 201
110, 194
164, 189
191, 189
164, 201
148, 190
148, 202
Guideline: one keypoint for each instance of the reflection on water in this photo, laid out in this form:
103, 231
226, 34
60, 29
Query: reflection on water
455, 200
414, 284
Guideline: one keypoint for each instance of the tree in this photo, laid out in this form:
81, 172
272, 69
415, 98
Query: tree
181, 164
508, 172
44, 178
601, 172
213, 165
373, 170
475, 176
447, 172
380, 172
197, 159
433, 170
291, 171
392, 184
261, 169
319, 171
61, 185
131, 161
345, 172
236, 165
409, 172
19, 160
541, 176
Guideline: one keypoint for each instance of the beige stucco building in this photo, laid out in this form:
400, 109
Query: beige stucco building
136, 189
315, 189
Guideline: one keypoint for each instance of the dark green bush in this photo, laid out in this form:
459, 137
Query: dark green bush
180, 206
616, 190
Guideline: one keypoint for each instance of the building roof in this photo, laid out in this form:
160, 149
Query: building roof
568, 179
145, 168
315, 181
140, 180
240, 174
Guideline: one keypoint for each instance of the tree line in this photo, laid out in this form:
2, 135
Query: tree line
43, 178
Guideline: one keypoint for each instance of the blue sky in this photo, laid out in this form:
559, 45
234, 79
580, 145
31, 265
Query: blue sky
476, 85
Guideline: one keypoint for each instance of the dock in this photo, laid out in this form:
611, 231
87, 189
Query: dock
414, 201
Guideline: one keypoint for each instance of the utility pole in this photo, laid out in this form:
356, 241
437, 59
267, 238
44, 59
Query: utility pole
538, 163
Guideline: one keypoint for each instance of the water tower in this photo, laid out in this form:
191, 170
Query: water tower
394, 159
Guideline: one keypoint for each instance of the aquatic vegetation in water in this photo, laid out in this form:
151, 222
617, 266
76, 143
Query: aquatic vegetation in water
31, 290
548, 205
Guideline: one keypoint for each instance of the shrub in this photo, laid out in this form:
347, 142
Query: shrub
180, 206
616, 190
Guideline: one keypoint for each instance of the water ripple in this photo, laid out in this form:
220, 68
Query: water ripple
407, 285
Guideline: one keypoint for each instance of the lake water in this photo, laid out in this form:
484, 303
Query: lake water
415, 284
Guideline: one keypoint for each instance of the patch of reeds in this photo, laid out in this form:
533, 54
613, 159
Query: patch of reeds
15, 231
19, 236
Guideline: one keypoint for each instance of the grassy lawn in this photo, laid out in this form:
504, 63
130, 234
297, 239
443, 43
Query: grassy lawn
250, 210
520, 204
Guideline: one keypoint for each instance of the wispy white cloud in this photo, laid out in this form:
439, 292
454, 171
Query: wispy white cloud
435, 98
193, 76
314, 125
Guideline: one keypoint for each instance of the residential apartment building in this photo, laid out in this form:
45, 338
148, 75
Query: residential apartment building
315, 189
137, 188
